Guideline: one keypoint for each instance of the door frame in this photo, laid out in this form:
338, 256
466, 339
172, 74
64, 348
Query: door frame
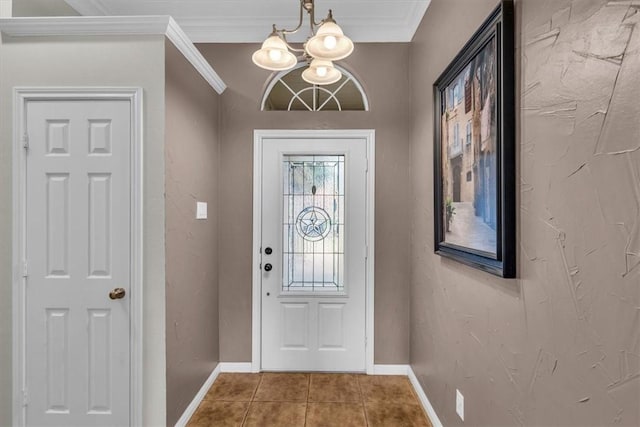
22, 96
259, 136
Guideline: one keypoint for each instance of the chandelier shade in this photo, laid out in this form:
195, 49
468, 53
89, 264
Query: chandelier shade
274, 55
321, 72
326, 43
329, 43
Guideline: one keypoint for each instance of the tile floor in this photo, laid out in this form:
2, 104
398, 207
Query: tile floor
311, 400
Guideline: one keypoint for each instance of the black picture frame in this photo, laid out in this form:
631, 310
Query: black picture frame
485, 204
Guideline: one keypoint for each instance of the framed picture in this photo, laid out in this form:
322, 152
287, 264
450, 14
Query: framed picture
474, 150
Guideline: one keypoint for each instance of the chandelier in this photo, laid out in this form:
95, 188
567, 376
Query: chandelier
326, 43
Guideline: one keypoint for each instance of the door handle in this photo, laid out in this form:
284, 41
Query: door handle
268, 267
117, 293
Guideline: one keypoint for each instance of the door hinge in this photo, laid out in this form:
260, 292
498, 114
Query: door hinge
25, 397
25, 141
25, 268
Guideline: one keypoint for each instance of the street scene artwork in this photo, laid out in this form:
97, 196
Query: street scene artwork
469, 155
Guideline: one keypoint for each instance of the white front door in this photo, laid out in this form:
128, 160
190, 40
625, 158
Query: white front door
78, 234
313, 256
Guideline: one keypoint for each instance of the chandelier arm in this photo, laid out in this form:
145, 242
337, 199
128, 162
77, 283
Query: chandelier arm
312, 21
291, 48
317, 24
284, 31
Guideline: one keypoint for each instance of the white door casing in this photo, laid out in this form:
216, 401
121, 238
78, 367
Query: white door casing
330, 329
77, 236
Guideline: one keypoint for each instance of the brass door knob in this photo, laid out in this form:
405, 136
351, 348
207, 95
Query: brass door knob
117, 293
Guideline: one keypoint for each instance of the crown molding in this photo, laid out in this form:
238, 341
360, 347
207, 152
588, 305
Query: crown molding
184, 44
221, 30
414, 18
114, 26
384, 20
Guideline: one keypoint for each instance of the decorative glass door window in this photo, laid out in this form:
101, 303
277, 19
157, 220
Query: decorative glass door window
313, 223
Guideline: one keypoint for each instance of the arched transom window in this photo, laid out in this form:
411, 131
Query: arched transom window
287, 91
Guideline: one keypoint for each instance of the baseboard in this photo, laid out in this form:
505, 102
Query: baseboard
435, 421
406, 370
191, 409
390, 369
241, 367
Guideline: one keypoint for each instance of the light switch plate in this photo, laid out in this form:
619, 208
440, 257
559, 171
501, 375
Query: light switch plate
460, 404
201, 210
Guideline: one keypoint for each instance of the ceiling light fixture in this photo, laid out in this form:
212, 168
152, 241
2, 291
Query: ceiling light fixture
322, 47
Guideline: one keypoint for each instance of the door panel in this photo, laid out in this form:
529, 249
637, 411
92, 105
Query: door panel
314, 219
331, 326
295, 326
78, 234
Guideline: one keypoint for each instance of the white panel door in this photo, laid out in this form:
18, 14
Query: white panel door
78, 198
313, 254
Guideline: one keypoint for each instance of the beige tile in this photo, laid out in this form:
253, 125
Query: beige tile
276, 414
219, 414
283, 388
234, 387
395, 414
334, 388
335, 414
381, 388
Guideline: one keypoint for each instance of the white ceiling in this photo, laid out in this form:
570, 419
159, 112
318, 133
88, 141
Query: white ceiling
242, 21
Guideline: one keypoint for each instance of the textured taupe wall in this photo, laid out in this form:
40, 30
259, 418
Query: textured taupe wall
42, 8
561, 344
385, 76
191, 162
94, 62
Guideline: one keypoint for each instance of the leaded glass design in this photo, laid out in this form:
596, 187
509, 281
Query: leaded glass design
313, 224
313, 219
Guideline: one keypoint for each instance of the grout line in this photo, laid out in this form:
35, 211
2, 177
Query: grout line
246, 413
253, 396
362, 400
306, 409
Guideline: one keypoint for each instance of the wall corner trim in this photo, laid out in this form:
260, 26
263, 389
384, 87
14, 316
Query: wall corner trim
193, 406
115, 26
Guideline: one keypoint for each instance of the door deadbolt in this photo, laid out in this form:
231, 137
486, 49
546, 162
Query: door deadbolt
268, 251
268, 267
117, 293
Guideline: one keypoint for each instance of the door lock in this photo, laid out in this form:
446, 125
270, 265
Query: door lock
268, 251
117, 293
268, 267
